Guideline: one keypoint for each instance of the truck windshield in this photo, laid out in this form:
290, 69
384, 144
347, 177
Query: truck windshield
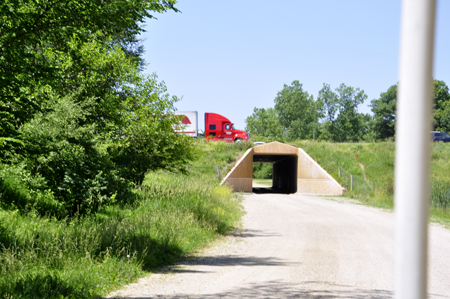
228, 127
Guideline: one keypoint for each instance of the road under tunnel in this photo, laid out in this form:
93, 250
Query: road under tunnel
284, 173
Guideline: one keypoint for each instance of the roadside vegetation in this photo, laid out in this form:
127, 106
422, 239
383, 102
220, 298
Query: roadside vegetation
333, 115
371, 164
96, 190
217, 153
94, 186
372, 167
165, 218
362, 144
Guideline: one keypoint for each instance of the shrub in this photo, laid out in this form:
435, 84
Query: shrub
64, 156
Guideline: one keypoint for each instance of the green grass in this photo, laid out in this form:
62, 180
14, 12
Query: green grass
172, 216
217, 153
371, 164
372, 167
266, 182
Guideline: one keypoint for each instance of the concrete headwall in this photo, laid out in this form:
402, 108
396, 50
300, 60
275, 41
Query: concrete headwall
293, 171
313, 179
240, 178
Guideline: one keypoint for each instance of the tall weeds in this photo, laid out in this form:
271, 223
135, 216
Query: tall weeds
372, 167
172, 215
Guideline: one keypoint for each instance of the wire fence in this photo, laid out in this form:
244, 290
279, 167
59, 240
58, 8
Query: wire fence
349, 176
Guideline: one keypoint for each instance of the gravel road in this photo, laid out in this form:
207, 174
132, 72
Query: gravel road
296, 246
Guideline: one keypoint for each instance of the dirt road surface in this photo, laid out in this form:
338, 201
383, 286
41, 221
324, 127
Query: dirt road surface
296, 246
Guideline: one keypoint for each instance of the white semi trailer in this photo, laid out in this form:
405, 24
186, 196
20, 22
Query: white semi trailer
190, 122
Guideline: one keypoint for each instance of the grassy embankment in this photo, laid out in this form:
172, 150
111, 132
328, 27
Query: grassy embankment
172, 215
372, 167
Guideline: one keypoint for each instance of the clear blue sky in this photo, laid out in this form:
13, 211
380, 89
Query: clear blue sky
230, 56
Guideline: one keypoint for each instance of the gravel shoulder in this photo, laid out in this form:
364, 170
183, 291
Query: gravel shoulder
297, 246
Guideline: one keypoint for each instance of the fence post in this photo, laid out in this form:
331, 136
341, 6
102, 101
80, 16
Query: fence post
349, 176
218, 171
187, 167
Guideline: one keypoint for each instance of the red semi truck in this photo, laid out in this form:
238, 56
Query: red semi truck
217, 127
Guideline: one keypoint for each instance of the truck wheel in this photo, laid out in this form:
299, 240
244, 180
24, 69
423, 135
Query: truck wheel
238, 140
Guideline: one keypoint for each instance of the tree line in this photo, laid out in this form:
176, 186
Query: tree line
333, 115
80, 122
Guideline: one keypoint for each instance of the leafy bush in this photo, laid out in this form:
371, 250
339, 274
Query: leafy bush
147, 140
63, 172
94, 129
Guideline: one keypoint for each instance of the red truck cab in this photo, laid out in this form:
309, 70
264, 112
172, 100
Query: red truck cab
218, 127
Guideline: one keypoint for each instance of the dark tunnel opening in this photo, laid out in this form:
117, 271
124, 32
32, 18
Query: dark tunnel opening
284, 173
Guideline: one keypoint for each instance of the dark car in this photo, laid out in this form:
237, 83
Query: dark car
440, 136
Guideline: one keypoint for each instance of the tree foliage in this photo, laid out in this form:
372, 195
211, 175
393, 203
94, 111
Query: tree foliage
351, 124
342, 122
329, 110
384, 112
441, 113
334, 115
264, 123
80, 122
34, 33
297, 111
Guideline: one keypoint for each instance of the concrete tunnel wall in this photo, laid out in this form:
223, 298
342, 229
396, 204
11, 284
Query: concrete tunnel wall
293, 171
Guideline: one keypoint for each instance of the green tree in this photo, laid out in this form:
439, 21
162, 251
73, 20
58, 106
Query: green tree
350, 123
370, 134
329, 109
34, 33
384, 110
86, 163
297, 111
264, 123
441, 113
384, 113
144, 138
79, 119
342, 122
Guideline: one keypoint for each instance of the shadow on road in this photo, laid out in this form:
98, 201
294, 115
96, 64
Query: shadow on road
279, 289
182, 265
269, 190
221, 261
250, 233
233, 260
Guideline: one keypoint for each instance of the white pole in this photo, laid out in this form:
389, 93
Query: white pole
412, 159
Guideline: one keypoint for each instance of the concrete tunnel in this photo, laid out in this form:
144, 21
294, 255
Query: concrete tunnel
294, 171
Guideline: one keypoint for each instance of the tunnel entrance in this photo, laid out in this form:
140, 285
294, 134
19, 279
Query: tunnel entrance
293, 171
284, 173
